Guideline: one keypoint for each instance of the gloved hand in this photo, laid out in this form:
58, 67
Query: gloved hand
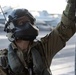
70, 1
70, 9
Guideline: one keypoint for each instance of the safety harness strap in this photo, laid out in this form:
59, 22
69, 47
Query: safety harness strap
38, 65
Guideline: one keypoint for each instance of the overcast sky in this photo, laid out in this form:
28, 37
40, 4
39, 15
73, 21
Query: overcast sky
52, 6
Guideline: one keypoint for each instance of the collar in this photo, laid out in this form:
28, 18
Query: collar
14, 46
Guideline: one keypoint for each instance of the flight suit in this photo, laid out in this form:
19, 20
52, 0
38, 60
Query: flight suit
52, 43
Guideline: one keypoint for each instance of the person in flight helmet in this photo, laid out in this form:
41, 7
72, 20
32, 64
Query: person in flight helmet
20, 25
27, 56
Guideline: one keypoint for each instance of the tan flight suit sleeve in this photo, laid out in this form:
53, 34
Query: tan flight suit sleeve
57, 39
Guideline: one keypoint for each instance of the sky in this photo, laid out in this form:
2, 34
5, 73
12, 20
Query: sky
52, 6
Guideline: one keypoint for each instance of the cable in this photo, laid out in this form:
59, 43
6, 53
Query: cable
3, 13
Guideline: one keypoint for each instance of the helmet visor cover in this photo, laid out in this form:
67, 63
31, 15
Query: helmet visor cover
26, 31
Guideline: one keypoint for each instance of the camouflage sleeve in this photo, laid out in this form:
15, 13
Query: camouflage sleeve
3, 61
2, 72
